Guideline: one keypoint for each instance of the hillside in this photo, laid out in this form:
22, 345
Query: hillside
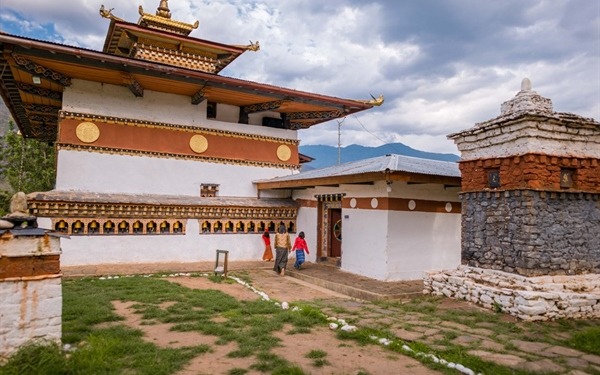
328, 155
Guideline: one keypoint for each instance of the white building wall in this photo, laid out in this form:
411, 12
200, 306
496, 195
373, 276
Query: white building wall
191, 247
419, 242
108, 173
364, 242
307, 223
118, 101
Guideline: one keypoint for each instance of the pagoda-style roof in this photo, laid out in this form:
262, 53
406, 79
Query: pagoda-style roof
159, 38
34, 74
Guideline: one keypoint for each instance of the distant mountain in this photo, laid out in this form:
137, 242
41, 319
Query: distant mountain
326, 156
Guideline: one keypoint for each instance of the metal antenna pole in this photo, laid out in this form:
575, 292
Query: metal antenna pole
340, 140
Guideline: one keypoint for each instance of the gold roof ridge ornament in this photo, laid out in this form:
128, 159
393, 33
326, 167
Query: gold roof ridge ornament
255, 47
108, 13
162, 20
375, 101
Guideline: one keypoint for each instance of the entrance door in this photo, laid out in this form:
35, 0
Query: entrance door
335, 232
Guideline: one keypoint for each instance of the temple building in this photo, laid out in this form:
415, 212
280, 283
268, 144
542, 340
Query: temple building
157, 153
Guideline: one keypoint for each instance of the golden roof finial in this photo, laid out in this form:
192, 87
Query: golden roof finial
376, 101
107, 13
163, 9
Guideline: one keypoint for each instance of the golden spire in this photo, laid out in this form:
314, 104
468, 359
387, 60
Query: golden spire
163, 9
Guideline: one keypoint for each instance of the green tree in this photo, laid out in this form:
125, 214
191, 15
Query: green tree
26, 165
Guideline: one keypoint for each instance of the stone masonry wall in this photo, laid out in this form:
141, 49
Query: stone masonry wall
532, 171
531, 233
530, 299
31, 310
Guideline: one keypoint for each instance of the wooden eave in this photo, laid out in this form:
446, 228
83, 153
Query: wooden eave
363, 178
78, 63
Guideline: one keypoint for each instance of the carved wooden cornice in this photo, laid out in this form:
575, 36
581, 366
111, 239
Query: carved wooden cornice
40, 70
317, 115
39, 91
39, 108
60, 209
262, 107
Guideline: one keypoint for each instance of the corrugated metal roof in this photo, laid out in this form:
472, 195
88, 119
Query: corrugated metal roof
390, 162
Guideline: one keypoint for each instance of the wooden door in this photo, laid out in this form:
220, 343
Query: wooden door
335, 232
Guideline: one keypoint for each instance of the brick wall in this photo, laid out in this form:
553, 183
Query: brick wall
532, 171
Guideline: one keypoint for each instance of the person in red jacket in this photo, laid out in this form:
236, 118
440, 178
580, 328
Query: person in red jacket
300, 247
268, 254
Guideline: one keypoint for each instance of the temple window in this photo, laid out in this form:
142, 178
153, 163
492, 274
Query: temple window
209, 190
211, 110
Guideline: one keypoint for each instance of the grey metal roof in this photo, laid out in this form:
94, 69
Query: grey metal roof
390, 163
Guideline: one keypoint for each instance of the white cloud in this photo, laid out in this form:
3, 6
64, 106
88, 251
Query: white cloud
441, 67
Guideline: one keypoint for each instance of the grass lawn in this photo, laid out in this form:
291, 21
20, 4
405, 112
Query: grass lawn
103, 345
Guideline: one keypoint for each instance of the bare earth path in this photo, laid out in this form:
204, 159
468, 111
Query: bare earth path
343, 357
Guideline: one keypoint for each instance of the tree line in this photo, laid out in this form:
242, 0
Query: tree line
26, 165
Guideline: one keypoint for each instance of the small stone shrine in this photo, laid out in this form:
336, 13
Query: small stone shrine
530, 212
30, 281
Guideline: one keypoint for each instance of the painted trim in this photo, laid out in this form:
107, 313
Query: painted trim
29, 266
401, 204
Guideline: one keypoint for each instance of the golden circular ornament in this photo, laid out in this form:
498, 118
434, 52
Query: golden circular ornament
87, 132
198, 143
284, 153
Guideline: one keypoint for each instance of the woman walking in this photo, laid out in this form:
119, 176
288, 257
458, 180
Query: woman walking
283, 244
300, 247
268, 254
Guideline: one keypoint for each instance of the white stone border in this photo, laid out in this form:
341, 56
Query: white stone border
528, 298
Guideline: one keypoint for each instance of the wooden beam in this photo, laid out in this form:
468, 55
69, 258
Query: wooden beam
39, 91
198, 97
36, 69
133, 85
40, 108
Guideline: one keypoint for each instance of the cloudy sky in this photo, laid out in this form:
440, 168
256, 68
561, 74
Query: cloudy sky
442, 65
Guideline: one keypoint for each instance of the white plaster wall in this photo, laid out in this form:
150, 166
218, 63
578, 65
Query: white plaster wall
31, 310
108, 173
364, 242
118, 101
191, 247
419, 242
307, 223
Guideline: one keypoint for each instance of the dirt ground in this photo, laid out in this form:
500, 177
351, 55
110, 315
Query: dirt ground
343, 357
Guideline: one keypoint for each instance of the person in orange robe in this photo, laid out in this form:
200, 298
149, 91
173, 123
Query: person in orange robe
268, 254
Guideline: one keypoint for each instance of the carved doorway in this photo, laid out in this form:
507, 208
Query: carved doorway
335, 233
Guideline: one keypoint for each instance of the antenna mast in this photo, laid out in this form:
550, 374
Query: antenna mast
340, 140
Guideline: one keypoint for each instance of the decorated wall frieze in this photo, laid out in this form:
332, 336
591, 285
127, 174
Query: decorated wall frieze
37, 69
262, 107
62, 209
118, 151
144, 123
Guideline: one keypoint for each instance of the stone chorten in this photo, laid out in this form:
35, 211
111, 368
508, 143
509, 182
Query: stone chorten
531, 189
